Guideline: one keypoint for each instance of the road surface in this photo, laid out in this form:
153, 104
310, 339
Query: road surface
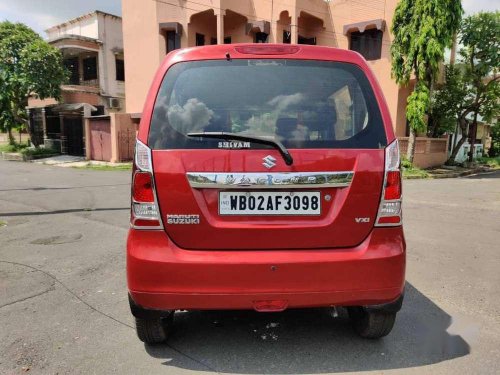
63, 300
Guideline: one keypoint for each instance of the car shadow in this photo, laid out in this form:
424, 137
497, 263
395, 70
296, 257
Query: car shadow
308, 341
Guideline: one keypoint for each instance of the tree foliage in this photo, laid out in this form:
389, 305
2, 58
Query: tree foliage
472, 86
28, 65
495, 141
422, 30
445, 102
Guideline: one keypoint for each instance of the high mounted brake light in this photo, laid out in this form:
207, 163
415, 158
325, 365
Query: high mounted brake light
389, 212
267, 50
145, 213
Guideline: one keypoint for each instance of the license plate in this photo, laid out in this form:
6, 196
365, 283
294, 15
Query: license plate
270, 203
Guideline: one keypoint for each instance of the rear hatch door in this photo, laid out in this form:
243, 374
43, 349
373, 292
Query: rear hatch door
225, 194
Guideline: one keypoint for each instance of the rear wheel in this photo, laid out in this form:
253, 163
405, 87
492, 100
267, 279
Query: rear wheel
371, 324
154, 331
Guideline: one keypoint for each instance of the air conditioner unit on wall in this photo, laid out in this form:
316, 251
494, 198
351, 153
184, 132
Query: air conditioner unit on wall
114, 103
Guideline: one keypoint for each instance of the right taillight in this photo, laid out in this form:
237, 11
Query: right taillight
144, 213
389, 212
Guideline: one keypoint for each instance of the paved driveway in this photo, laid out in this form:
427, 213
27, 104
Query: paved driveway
63, 305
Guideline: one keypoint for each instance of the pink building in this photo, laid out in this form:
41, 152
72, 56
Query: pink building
153, 28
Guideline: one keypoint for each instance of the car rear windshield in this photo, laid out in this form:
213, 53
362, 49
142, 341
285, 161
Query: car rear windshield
302, 104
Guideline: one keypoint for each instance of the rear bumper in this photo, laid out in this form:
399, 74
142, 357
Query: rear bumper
162, 276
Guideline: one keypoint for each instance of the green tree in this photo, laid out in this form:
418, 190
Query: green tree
495, 141
472, 86
445, 102
28, 65
6, 119
422, 30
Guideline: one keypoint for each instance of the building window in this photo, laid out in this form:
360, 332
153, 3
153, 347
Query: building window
89, 68
261, 37
367, 43
227, 40
304, 40
200, 39
173, 40
74, 75
287, 37
120, 69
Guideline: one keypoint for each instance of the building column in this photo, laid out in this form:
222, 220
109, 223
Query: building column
64, 138
44, 125
29, 125
294, 30
115, 134
220, 13
86, 136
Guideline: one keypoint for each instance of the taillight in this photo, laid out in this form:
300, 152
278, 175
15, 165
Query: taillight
392, 185
145, 213
389, 212
143, 187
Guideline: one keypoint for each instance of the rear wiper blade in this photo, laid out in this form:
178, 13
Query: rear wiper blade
246, 138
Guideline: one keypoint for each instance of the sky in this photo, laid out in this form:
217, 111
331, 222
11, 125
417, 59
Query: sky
42, 14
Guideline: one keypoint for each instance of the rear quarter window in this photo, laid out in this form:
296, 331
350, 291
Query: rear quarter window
303, 104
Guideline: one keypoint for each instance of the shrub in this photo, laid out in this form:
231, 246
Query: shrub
39, 151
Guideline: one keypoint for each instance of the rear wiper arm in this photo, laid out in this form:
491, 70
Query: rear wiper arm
245, 138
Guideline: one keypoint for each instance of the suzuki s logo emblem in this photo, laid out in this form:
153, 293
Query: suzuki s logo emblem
269, 162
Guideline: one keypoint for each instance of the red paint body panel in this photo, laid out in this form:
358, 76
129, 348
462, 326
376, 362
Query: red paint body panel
163, 276
335, 227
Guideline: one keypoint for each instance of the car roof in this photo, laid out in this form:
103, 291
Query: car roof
261, 50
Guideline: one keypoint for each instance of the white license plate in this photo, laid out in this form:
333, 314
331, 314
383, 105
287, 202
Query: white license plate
270, 203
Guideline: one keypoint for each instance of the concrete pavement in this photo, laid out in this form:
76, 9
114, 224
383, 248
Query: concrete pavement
63, 303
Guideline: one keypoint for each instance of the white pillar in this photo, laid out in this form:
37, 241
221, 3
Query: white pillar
295, 34
294, 28
220, 25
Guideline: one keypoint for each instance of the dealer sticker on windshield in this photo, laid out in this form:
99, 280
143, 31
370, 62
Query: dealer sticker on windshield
270, 203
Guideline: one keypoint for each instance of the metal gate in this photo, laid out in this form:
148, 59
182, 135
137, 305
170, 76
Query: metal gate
126, 141
36, 126
100, 140
72, 140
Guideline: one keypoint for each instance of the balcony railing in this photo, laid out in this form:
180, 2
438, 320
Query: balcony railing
83, 82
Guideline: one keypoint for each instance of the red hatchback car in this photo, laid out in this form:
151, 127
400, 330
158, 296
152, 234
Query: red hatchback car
266, 177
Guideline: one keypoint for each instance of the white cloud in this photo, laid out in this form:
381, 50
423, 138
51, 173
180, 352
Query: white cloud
191, 117
282, 102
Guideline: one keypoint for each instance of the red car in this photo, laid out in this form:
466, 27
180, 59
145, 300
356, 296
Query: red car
266, 177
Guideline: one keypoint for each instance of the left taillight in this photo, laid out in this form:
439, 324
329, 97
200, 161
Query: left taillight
389, 212
144, 213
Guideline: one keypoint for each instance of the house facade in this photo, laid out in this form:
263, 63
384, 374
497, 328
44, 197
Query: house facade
92, 48
482, 142
151, 29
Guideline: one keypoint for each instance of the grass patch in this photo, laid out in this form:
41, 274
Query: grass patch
39, 151
16, 147
410, 171
490, 162
3, 223
99, 167
415, 173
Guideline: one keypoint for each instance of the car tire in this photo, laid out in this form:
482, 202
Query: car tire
371, 324
154, 331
